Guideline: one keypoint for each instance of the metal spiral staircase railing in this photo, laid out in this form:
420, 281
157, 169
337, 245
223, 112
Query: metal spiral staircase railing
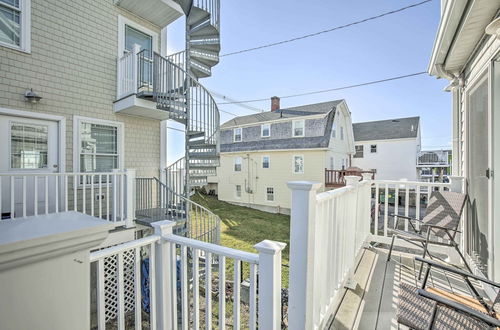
176, 90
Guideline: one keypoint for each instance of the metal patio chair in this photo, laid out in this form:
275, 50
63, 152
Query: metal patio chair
429, 308
438, 227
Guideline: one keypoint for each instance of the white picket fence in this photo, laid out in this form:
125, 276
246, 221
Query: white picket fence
182, 297
107, 195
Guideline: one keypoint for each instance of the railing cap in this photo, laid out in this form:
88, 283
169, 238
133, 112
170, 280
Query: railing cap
303, 185
269, 247
163, 227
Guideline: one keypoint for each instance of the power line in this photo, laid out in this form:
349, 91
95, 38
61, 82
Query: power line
334, 89
224, 97
328, 30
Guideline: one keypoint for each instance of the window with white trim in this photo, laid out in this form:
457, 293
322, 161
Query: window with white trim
298, 128
270, 194
341, 132
298, 164
334, 130
265, 161
237, 164
237, 134
238, 191
265, 130
332, 163
99, 145
373, 148
15, 24
359, 151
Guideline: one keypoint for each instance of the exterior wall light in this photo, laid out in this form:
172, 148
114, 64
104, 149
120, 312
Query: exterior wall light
31, 96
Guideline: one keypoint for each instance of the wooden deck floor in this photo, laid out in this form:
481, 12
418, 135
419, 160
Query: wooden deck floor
372, 305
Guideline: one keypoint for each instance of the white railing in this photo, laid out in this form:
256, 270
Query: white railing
181, 278
328, 231
107, 195
408, 198
126, 73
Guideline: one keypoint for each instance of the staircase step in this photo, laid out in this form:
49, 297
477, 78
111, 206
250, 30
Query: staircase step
203, 155
202, 146
201, 70
211, 42
197, 16
205, 174
202, 166
206, 57
195, 134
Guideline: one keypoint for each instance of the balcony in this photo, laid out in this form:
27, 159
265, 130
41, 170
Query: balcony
159, 12
336, 178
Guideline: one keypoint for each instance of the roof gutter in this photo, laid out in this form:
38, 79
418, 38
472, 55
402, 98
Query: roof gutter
445, 37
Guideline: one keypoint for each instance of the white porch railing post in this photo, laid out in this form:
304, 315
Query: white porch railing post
302, 254
456, 183
269, 284
130, 197
115, 183
135, 50
165, 294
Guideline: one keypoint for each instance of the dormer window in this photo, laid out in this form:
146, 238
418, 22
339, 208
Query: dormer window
237, 134
298, 128
265, 130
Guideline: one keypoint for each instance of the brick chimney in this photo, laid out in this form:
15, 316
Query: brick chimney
275, 103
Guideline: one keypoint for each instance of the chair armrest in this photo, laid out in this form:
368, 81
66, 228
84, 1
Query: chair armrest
404, 217
460, 307
440, 227
456, 271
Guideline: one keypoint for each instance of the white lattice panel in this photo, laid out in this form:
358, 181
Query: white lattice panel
110, 284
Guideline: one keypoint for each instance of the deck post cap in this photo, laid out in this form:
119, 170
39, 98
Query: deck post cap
269, 247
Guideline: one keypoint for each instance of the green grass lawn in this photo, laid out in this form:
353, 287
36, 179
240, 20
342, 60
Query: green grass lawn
243, 227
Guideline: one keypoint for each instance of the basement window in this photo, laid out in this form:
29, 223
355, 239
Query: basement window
270, 194
237, 134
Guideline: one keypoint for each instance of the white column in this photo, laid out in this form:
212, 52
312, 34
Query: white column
130, 197
270, 284
115, 184
166, 296
457, 183
302, 234
135, 64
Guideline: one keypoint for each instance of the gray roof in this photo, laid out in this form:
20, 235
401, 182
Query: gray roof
399, 128
303, 110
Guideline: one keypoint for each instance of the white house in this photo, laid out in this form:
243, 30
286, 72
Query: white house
380, 143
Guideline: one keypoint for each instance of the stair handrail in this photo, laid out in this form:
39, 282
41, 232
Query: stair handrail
206, 232
204, 113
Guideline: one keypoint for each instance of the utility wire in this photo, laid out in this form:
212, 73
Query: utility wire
334, 89
236, 102
328, 30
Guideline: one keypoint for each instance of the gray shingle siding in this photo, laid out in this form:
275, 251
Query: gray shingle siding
400, 128
317, 135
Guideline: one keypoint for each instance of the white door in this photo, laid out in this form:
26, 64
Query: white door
28, 146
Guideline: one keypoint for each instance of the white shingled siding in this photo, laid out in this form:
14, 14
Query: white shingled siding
72, 65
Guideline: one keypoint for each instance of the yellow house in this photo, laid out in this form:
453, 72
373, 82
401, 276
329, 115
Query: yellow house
261, 152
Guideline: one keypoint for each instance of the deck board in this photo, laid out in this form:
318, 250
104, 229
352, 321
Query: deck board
375, 307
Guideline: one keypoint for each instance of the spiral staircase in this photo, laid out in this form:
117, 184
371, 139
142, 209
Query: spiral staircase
176, 90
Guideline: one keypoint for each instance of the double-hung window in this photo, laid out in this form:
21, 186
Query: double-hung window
265, 130
334, 130
238, 191
298, 164
237, 134
237, 164
15, 24
359, 151
265, 161
298, 128
373, 148
342, 133
99, 145
270, 194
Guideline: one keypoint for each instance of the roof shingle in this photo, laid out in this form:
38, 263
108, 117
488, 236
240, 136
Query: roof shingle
400, 128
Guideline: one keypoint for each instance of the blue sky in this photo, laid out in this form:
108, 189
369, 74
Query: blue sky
390, 46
